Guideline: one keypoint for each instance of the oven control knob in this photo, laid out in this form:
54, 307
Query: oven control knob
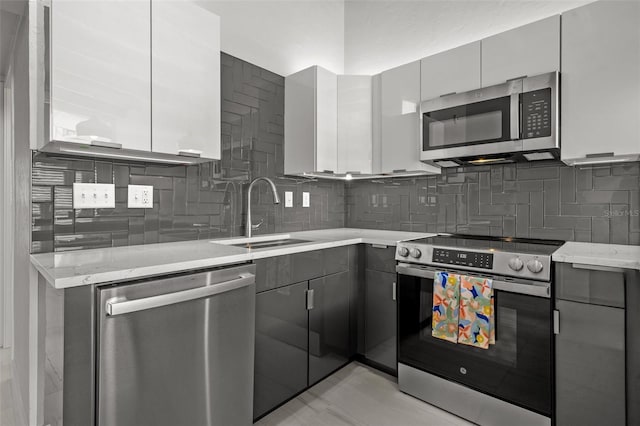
516, 263
534, 266
403, 251
416, 253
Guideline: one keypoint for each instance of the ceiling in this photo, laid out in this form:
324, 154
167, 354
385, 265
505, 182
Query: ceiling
11, 12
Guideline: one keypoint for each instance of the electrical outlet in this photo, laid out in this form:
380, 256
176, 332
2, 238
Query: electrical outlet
306, 199
288, 198
94, 196
140, 196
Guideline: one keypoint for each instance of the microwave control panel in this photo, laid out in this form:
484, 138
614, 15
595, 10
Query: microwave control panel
463, 258
536, 113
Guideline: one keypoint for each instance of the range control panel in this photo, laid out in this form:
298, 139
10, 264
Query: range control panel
463, 258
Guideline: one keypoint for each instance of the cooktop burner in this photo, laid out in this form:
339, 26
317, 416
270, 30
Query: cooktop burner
517, 257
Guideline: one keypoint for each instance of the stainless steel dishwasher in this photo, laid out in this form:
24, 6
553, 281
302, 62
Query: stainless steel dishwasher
177, 351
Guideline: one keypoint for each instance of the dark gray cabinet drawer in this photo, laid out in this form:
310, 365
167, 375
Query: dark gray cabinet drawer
590, 365
598, 287
274, 272
380, 258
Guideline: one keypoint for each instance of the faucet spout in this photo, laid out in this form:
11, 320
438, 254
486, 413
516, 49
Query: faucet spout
276, 200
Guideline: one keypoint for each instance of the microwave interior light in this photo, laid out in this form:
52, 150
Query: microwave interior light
487, 160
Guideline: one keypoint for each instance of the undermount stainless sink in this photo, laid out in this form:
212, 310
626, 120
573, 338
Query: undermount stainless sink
269, 243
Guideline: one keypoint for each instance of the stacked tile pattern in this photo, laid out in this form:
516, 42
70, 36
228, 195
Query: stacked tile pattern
599, 204
196, 202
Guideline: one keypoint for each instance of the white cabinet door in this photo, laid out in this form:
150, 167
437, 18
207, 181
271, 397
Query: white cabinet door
299, 122
310, 121
100, 72
326, 120
528, 50
453, 71
185, 54
601, 80
400, 136
354, 124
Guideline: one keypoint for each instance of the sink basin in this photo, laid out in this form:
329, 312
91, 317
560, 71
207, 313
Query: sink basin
269, 243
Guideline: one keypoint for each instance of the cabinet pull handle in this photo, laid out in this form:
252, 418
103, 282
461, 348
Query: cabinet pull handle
190, 153
393, 291
600, 154
448, 94
597, 268
378, 246
556, 321
106, 144
517, 78
309, 300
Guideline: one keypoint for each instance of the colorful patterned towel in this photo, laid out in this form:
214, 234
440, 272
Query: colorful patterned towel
446, 293
476, 323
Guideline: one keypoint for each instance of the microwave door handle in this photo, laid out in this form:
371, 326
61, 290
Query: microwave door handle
515, 116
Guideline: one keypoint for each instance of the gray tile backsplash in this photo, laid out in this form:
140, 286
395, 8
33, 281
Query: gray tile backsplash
538, 200
195, 202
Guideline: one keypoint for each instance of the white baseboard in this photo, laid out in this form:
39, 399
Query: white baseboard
19, 408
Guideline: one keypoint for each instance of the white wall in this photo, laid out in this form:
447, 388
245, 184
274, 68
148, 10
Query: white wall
282, 36
383, 34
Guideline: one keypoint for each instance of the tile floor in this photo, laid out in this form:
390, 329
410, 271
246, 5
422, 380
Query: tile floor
358, 395
355, 395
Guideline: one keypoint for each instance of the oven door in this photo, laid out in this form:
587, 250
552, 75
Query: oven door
517, 369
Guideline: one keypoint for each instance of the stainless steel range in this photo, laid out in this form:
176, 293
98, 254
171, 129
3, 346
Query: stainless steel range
509, 383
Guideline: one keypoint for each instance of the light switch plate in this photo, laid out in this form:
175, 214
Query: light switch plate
94, 196
140, 196
306, 199
288, 198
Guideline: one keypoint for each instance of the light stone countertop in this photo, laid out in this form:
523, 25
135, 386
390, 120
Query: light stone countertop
96, 266
613, 255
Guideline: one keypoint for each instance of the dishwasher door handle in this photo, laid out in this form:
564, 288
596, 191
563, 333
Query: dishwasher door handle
121, 305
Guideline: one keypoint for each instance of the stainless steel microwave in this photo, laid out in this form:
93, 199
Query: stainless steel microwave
514, 121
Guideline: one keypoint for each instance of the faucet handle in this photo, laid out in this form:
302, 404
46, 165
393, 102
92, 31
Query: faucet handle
257, 225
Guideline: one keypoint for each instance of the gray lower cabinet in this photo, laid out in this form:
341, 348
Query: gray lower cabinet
329, 338
380, 318
380, 306
590, 365
304, 329
281, 346
592, 359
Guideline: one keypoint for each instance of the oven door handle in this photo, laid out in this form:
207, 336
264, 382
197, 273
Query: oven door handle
531, 288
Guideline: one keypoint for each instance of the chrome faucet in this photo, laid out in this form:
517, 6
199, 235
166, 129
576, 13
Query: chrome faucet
276, 200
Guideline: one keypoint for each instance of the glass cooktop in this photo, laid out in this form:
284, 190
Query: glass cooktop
480, 242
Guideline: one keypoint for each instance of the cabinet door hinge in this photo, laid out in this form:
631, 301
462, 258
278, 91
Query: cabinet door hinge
556, 321
309, 300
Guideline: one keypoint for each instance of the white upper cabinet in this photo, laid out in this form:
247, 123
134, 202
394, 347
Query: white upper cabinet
185, 64
399, 124
601, 82
310, 121
524, 51
100, 79
453, 71
355, 152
